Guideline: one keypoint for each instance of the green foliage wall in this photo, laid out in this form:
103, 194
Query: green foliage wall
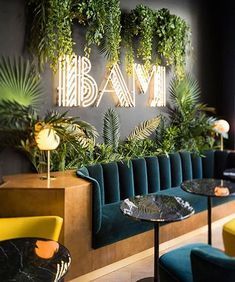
153, 36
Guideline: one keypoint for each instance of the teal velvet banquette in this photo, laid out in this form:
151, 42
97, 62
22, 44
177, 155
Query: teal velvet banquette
113, 182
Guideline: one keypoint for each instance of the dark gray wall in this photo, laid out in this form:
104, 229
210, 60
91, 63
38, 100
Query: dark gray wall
12, 26
217, 50
201, 62
129, 117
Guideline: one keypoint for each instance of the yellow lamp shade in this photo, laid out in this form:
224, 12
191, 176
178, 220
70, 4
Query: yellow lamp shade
221, 126
47, 139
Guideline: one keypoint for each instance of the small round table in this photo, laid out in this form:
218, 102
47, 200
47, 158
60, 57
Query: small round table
211, 188
156, 209
33, 259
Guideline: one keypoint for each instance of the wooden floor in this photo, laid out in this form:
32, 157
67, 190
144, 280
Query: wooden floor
144, 267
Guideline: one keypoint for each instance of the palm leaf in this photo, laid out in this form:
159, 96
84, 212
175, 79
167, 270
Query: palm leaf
185, 92
69, 129
111, 129
19, 81
144, 129
14, 116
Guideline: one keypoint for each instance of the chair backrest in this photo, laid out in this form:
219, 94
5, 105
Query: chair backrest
212, 265
47, 227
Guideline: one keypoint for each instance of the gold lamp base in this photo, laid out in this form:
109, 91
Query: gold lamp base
48, 177
45, 177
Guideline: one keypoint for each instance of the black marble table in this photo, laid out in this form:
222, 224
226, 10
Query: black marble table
209, 187
156, 209
33, 259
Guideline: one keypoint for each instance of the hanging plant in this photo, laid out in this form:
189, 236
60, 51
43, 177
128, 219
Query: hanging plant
50, 32
172, 34
139, 23
160, 37
102, 19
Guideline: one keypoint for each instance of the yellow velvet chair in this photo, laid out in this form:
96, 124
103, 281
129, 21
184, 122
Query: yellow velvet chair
229, 237
47, 227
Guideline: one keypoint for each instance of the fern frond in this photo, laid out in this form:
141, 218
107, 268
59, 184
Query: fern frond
111, 129
144, 129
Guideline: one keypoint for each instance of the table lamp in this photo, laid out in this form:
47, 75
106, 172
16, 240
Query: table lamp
221, 126
47, 139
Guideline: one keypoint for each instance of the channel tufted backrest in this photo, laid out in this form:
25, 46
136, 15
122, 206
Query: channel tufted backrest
196, 166
140, 176
111, 183
176, 169
208, 164
96, 172
120, 180
126, 179
153, 174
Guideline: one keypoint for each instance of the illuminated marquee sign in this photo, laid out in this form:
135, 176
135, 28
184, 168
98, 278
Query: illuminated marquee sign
156, 82
78, 88
119, 87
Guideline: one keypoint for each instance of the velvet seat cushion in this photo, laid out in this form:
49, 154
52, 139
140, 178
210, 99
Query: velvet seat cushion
211, 264
176, 265
126, 227
116, 226
196, 263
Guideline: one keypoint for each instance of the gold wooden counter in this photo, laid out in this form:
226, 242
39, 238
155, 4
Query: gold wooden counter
68, 197
71, 198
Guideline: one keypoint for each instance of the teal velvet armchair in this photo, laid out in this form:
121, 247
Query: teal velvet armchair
197, 263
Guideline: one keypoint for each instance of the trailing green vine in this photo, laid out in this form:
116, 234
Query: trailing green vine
50, 34
160, 38
140, 22
154, 36
102, 18
172, 34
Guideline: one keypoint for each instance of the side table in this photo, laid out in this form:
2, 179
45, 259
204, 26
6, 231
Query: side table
156, 209
33, 259
209, 187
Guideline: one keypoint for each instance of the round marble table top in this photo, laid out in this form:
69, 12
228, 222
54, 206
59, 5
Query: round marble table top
157, 208
33, 259
209, 187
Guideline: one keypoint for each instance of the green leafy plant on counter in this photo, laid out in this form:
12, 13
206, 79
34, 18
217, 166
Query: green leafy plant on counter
137, 148
165, 137
20, 82
144, 129
19, 125
111, 129
189, 127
